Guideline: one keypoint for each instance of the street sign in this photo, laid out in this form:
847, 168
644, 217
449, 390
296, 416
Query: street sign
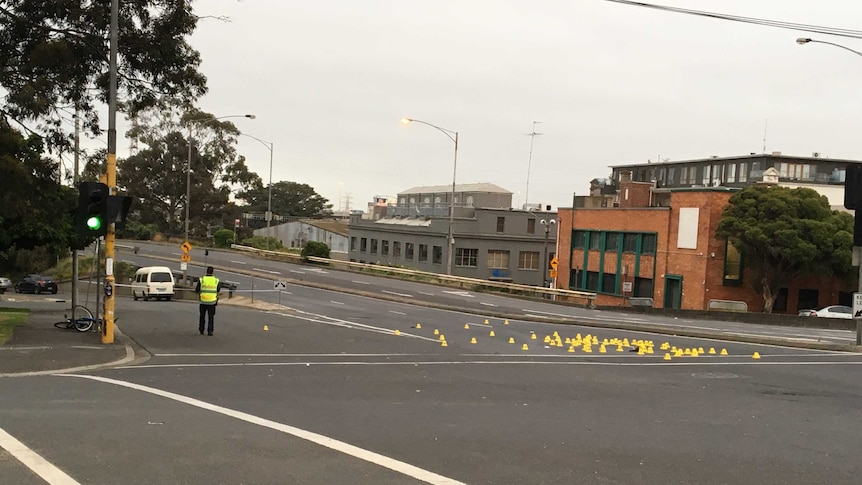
857, 305
186, 247
279, 285
627, 286
185, 257
554, 263
553, 273
184, 266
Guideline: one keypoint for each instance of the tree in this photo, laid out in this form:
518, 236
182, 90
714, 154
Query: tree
34, 208
289, 199
783, 233
55, 59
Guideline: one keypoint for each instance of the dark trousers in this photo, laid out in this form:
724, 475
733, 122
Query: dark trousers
207, 310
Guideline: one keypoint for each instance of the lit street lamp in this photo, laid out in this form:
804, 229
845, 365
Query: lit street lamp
450, 236
547, 224
803, 41
269, 146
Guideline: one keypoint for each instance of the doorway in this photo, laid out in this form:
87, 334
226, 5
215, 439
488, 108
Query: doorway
673, 291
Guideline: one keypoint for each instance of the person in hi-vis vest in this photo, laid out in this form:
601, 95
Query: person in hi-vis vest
207, 288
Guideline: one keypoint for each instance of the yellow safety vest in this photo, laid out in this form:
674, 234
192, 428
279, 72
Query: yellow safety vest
209, 290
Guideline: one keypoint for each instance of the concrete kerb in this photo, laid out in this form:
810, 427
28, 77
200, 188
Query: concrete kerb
656, 328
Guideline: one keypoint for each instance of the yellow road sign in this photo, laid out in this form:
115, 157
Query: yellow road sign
554, 263
553, 273
185, 257
186, 247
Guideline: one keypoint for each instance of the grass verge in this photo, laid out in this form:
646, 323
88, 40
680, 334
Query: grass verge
9, 318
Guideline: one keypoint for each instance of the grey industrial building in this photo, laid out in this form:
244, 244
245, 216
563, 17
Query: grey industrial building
492, 241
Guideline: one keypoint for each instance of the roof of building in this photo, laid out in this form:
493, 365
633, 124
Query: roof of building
445, 189
404, 222
776, 155
331, 225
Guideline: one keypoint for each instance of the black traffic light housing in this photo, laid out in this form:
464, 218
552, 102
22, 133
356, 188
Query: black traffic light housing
91, 218
853, 186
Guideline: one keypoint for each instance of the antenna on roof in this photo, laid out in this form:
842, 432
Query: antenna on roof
765, 126
532, 136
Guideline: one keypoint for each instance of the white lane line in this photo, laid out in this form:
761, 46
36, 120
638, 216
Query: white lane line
486, 304
426, 293
398, 294
460, 293
336, 302
297, 271
33, 461
238, 262
319, 439
360, 282
266, 271
397, 313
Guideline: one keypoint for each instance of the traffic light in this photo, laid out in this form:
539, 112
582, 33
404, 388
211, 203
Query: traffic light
853, 186
92, 216
118, 209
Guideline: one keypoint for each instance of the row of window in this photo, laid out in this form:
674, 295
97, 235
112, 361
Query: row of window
607, 283
497, 259
410, 251
626, 242
466, 257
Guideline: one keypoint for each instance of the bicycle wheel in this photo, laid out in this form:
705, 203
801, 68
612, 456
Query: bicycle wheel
83, 319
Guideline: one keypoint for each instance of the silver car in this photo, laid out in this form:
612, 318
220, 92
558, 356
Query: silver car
5, 284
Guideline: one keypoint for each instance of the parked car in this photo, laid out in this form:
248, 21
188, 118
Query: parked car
34, 283
5, 284
807, 313
834, 311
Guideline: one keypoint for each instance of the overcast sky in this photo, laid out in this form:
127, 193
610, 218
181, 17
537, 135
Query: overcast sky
612, 84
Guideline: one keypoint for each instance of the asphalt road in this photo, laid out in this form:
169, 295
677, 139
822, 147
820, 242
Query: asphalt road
324, 391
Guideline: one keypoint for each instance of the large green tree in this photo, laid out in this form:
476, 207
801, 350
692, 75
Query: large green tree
783, 233
54, 58
289, 199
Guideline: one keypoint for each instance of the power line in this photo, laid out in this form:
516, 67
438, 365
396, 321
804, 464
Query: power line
855, 34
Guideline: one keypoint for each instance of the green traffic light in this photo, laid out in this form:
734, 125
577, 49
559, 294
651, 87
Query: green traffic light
94, 223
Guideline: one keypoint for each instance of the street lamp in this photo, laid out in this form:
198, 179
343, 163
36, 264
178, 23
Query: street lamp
547, 224
269, 146
191, 122
450, 236
803, 41
806, 40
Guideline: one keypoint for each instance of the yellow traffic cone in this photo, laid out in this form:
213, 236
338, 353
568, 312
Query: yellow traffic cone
755, 355
436, 332
602, 349
466, 326
418, 325
486, 321
266, 328
443, 344
571, 348
723, 351
492, 334
505, 322
524, 347
532, 336
442, 337
511, 340
473, 340
397, 332
666, 356
712, 351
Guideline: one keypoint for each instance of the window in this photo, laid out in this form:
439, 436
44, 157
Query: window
579, 239
795, 171
643, 287
408, 251
396, 249
437, 254
609, 283
705, 172
683, 175
692, 175
732, 265
575, 279
743, 172
384, 248
498, 259
630, 242
353, 243
592, 281
528, 260
670, 176
374, 246
363, 245
731, 173
595, 240
501, 224
466, 257
648, 244
717, 174
423, 252
612, 241
531, 226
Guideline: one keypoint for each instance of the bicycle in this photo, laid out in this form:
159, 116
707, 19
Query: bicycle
83, 321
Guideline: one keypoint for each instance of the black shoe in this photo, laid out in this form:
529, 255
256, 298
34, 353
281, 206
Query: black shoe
202, 331
210, 334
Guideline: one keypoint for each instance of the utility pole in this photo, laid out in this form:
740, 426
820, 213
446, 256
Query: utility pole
108, 326
75, 184
532, 136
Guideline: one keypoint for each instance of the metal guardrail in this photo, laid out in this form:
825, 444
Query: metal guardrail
727, 305
572, 296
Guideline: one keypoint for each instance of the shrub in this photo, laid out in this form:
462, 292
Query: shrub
316, 249
223, 238
137, 230
263, 242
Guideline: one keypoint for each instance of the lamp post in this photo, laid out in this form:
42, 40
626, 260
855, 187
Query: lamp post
191, 123
269, 146
450, 236
547, 224
803, 41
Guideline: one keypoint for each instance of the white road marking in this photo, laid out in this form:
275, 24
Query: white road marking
266, 271
239, 262
486, 304
319, 439
33, 461
297, 271
336, 302
360, 282
318, 270
459, 293
426, 293
398, 294
397, 313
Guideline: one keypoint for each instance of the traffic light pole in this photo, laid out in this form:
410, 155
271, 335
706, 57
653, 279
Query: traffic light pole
108, 326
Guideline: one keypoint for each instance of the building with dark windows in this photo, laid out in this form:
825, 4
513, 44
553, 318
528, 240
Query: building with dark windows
647, 235
492, 240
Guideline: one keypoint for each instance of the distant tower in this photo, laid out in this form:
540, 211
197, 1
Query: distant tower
532, 136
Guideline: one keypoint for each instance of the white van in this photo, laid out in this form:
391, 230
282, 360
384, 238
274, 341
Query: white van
153, 282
